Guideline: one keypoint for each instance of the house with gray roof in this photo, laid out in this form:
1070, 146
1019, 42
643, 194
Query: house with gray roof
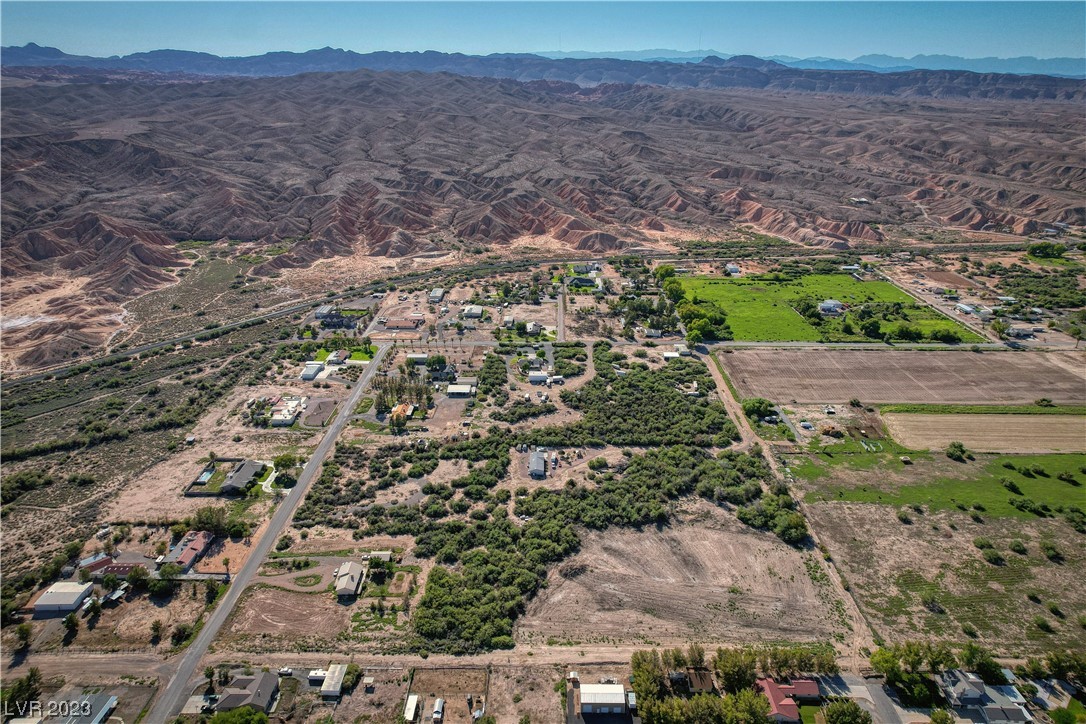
257, 691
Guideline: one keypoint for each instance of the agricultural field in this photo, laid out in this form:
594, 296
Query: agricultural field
917, 376
990, 433
762, 309
987, 548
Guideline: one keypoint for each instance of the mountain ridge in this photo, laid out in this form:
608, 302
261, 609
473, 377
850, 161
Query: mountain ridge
35, 54
519, 66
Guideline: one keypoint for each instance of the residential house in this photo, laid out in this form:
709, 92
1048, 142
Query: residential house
338, 357
348, 578
784, 699
830, 307
398, 324
732, 269
473, 311
189, 549
417, 358
508, 321
973, 699
256, 691
533, 329
537, 465
241, 478
324, 311
436, 295
537, 377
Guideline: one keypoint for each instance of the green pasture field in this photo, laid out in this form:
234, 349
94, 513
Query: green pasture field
975, 485
760, 310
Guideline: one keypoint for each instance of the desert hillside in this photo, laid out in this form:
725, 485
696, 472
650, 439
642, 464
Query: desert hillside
99, 179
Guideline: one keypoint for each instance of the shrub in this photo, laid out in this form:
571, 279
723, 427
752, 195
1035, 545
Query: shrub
1042, 623
969, 630
982, 543
956, 451
1018, 547
993, 557
1051, 552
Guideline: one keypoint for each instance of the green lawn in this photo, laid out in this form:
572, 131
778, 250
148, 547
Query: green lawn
760, 309
979, 483
807, 713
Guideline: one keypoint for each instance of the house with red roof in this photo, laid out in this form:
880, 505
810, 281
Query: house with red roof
784, 699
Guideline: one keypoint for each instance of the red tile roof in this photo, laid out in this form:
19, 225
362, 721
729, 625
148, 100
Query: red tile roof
782, 705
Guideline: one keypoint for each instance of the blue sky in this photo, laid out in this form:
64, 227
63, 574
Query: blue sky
803, 29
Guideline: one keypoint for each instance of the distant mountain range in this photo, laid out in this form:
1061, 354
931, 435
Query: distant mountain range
583, 68
1024, 65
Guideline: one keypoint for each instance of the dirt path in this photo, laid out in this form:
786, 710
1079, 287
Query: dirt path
852, 658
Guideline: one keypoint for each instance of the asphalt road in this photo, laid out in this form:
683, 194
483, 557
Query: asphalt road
173, 697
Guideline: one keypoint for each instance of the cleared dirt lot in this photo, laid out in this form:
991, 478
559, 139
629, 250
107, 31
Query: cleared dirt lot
876, 376
991, 433
454, 685
713, 580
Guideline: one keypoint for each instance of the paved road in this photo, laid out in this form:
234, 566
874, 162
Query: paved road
175, 694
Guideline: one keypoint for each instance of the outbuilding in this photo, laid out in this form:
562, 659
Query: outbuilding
603, 698
473, 311
461, 390
436, 295
312, 369
537, 377
333, 681
62, 597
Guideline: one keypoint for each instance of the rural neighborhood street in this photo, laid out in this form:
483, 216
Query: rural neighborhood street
175, 694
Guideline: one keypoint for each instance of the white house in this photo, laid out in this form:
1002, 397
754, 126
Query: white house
603, 698
473, 311
312, 369
831, 306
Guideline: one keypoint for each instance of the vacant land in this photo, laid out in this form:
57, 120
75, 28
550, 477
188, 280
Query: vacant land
712, 581
937, 483
928, 579
456, 685
939, 549
873, 376
760, 309
991, 433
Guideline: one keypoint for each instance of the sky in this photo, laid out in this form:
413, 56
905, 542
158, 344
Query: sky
803, 29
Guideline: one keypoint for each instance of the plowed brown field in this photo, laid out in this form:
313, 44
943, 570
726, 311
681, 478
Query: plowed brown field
991, 433
876, 376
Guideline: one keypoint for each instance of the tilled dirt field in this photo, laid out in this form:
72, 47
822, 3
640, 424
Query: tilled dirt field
876, 376
711, 581
991, 433
454, 685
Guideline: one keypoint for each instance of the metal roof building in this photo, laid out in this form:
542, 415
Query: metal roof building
603, 698
62, 597
333, 681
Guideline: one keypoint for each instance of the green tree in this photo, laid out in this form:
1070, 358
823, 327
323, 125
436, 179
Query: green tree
845, 711
22, 634
736, 669
71, 623
941, 716
209, 674
1000, 327
157, 628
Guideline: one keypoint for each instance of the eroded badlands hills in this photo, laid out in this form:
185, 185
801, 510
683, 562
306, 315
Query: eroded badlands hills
101, 180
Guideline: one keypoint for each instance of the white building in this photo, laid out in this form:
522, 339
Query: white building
473, 311
436, 295
537, 377
831, 306
417, 358
62, 597
603, 698
333, 681
312, 369
682, 350
461, 390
